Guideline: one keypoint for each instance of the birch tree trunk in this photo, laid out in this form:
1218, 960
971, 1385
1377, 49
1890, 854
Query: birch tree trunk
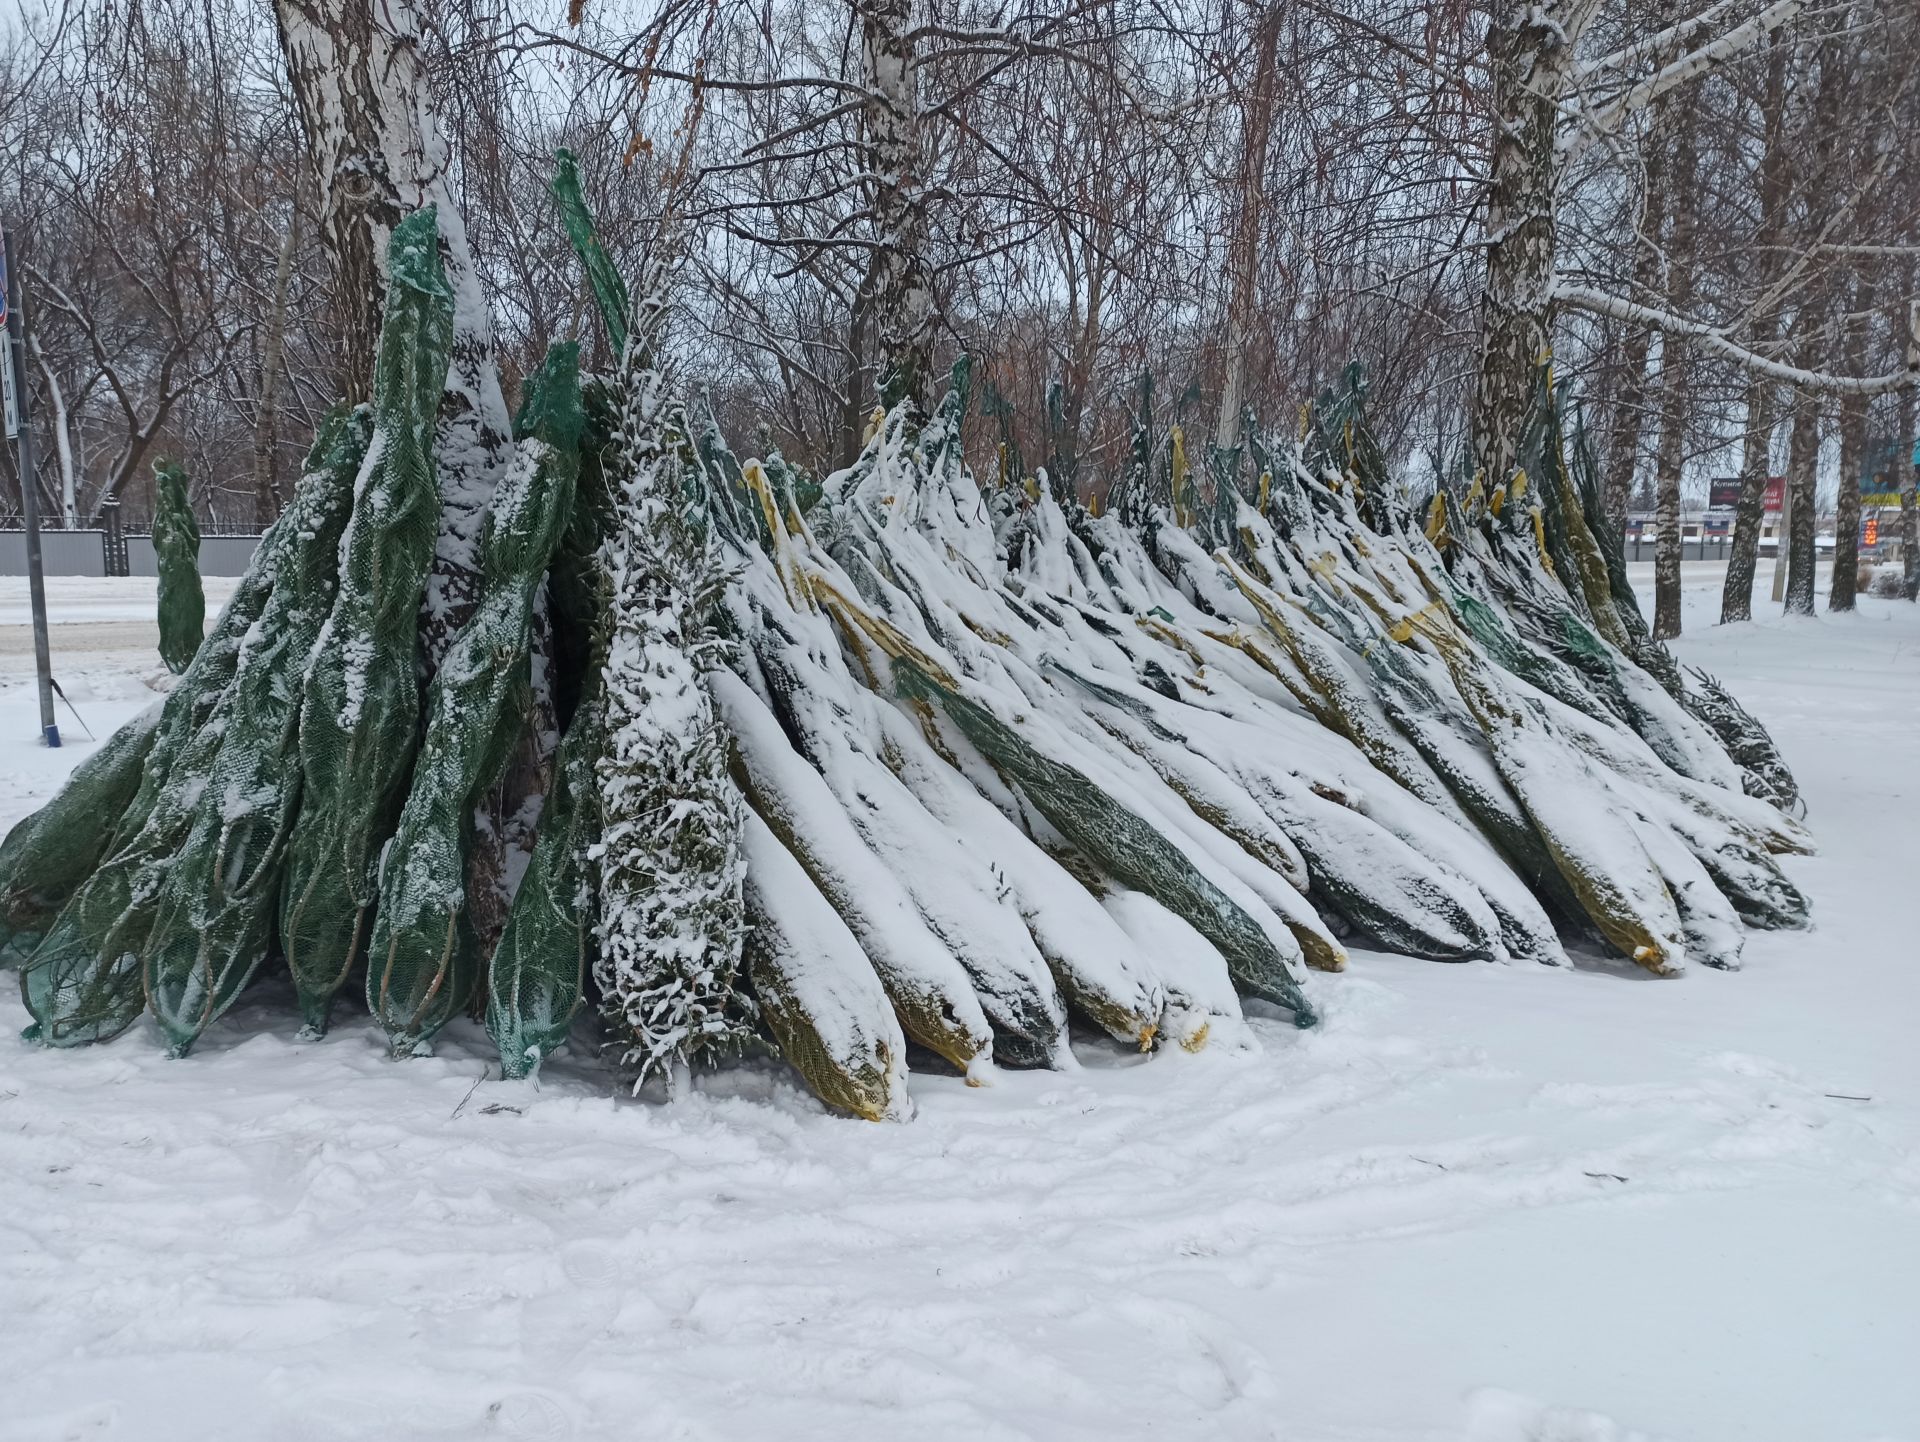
376, 157
1623, 432
61, 423
1085, 272
1841, 588
1910, 520
1243, 260
1756, 452
1629, 414
1853, 451
902, 283
1530, 59
1676, 387
1907, 464
855, 400
266, 421
1803, 450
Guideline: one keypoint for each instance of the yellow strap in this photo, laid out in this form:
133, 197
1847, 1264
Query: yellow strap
1540, 540
1402, 630
1183, 512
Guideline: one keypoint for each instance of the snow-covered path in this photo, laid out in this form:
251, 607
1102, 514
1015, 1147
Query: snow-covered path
1477, 1201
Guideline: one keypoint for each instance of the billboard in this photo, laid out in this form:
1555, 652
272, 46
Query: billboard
1723, 493
1776, 494
1880, 471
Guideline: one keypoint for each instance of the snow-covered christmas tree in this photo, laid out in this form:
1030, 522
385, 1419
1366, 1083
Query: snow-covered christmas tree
670, 865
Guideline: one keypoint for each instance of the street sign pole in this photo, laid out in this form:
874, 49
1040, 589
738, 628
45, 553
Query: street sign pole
20, 429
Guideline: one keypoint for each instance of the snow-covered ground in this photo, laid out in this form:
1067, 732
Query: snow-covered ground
1480, 1203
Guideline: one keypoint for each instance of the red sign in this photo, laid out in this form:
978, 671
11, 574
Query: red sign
1776, 493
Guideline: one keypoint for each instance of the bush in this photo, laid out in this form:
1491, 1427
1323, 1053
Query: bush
1883, 580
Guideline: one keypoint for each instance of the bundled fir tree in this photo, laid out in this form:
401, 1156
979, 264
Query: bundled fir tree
360, 703
176, 555
1001, 761
670, 926
427, 951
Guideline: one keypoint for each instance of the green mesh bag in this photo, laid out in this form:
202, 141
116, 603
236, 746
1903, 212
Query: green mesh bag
48, 854
213, 922
82, 983
176, 555
575, 589
576, 599
537, 978
425, 957
361, 710
609, 291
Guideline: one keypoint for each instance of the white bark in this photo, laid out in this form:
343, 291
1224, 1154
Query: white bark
266, 481
1243, 299
62, 436
1691, 66
903, 287
1716, 342
1531, 58
1657, 43
377, 156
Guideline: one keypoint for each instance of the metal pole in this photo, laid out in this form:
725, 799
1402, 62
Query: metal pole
29, 492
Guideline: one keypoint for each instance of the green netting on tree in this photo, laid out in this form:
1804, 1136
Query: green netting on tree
576, 598
608, 289
82, 983
48, 854
213, 923
176, 555
424, 958
1123, 845
537, 978
359, 716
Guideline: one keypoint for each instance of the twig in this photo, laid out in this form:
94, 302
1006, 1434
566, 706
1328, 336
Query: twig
470, 1091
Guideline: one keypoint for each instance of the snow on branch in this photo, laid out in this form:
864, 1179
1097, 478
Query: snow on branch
1695, 63
1716, 342
1655, 44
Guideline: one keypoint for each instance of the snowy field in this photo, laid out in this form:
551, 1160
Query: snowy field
1480, 1203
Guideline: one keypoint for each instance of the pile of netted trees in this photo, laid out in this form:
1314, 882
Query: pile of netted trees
887, 764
